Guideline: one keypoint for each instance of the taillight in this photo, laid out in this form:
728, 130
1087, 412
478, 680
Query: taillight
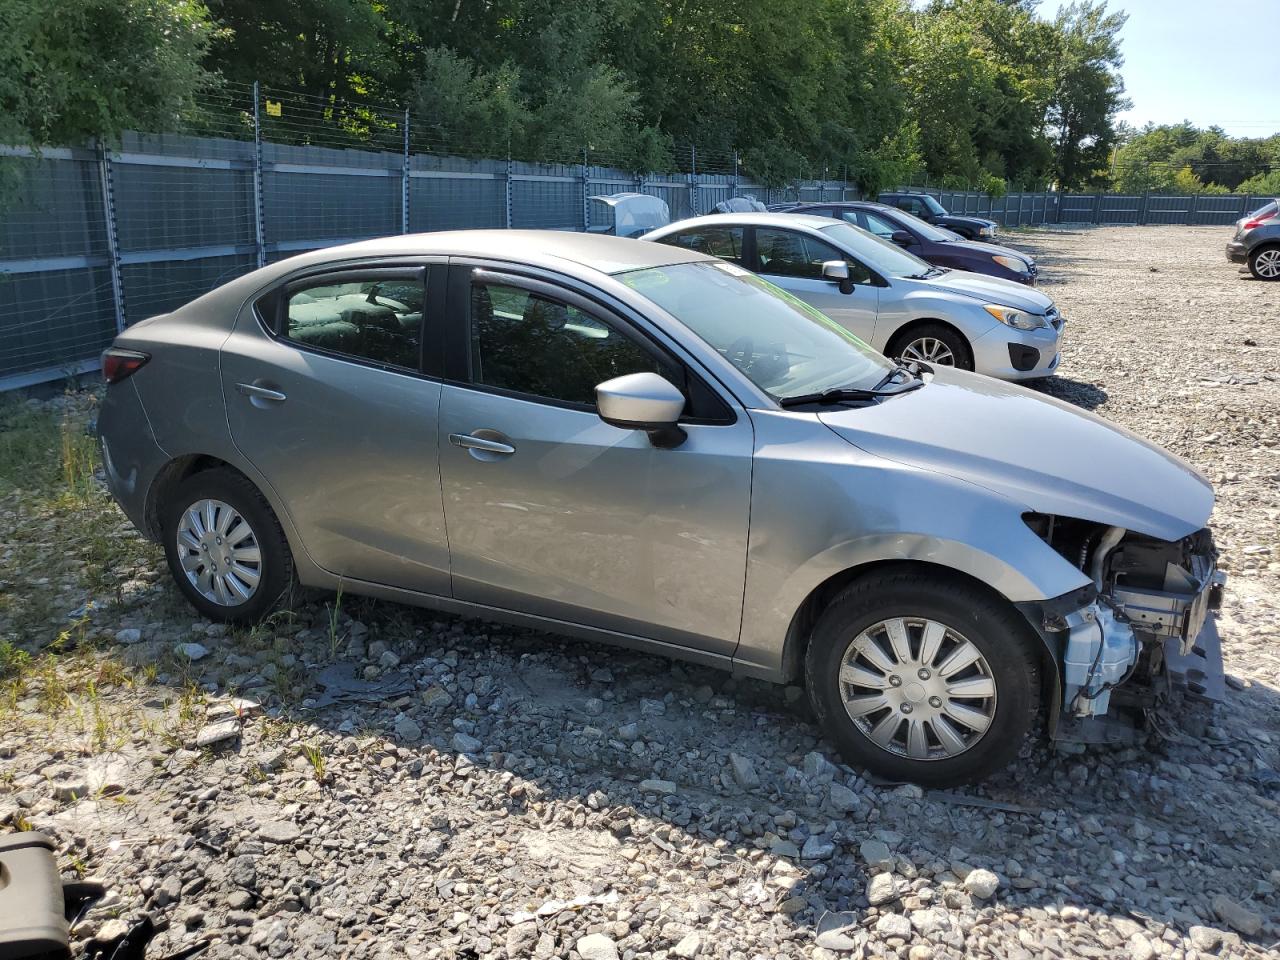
120, 364
1258, 221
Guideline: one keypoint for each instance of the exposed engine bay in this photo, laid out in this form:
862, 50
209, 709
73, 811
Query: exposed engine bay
1141, 635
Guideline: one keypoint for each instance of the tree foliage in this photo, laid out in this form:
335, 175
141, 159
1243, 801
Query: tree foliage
969, 92
1183, 158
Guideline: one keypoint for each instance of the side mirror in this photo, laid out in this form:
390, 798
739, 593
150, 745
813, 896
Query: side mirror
902, 238
837, 271
643, 401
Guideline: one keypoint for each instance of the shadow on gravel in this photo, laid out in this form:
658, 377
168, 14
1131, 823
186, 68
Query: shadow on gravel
1086, 395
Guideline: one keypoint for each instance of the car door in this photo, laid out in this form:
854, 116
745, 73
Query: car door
555, 513
327, 397
793, 260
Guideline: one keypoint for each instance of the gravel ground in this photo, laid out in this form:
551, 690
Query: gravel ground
486, 792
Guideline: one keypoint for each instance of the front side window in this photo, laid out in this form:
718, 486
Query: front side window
375, 319
783, 345
785, 253
530, 344
722, 242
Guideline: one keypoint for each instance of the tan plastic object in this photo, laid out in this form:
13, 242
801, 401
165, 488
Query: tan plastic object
32, 924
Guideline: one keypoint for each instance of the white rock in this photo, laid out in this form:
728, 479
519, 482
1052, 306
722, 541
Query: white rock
884, 888
1140, 948
981, 883
689, 946
596, 946
894, 925
219, 732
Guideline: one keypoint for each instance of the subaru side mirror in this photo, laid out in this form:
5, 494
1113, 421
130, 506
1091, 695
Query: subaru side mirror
643, 401
837, 271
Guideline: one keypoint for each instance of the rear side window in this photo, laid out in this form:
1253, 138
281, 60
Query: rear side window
722, 242
880, 226
376, 318
530, 344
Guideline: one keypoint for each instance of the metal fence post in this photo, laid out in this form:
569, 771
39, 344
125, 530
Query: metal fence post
1144, 202
259, 209
507, 202
113, 238
586, 192
404, 178
693, 178
733, 185
1195, 209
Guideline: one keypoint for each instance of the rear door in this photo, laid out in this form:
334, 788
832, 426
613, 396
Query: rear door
793, 260
553, 512
331, 395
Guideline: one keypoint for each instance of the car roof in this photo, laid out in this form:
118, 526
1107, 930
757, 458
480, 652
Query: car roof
757, 219
860, 204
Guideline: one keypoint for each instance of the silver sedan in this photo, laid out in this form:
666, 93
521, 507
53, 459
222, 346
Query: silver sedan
646, 446
891, 299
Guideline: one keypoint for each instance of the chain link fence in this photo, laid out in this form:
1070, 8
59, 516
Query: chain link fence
95, 239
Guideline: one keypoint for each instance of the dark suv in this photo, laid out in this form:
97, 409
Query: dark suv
931, 211
1257, 242
940, 247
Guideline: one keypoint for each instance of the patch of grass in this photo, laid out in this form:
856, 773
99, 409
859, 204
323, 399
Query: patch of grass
28, 447
315, 756
14, 661
335, 611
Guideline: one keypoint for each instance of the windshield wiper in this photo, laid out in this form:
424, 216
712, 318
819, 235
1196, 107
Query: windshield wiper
931, 272
833, 395
914, 369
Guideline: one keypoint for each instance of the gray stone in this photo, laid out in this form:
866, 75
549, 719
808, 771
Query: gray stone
690, 945
817, 847
521, 939
389, 660
652, 708
436, 696
216, 733
1204, 939
657, 786
981, 883
843, 800
875, 853
1237, 916
407, 729
596, 946
885, 888
128, 635
279, 831
744, 771
465, 743
817, 767
839, 931
894, 925
594, 706
629, 732
192, 651
243, 871
111, 931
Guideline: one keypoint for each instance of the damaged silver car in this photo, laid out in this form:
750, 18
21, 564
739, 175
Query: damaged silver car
643, 445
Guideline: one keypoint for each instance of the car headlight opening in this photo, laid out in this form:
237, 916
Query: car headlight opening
1016, 264
1018, 319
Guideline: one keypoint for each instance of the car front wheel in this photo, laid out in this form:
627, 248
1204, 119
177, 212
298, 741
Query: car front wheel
1264, 263
934, 344
225, 548
922, 678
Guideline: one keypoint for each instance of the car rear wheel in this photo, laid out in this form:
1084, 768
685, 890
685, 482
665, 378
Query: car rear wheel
934, 344
1264, 263
922, 678
225, 548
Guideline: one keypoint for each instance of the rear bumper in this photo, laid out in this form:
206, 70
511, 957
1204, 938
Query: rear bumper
1237, 252
131, 457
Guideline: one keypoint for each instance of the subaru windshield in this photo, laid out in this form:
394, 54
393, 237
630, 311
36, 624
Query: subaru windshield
783, 345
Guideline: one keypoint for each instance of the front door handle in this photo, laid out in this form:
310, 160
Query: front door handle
255, 392
469, 442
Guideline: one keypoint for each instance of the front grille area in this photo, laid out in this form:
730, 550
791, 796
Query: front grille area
1054, 317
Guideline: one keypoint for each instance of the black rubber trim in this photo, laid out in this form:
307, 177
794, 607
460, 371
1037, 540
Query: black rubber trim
1022, 357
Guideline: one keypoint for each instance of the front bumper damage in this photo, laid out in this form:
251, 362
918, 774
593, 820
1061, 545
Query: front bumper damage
1140, 641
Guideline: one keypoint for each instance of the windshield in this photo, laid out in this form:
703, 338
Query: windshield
783, 345
934, 207
924, 228
883, 256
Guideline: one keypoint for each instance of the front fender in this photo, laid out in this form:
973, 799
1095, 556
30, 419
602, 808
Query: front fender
857, 510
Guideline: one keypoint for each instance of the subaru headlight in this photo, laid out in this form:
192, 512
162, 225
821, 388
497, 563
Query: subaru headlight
987, 231
1016, 264
1018, 319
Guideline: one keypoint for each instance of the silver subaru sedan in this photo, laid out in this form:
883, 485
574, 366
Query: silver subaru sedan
642, 445
901, 305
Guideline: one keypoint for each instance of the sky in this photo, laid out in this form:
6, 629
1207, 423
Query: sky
1213, 62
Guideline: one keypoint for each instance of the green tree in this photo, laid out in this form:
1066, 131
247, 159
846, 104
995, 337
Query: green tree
98, 67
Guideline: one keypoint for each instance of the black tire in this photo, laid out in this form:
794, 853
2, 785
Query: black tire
955, 342
277, 579
991, 625
1265, 270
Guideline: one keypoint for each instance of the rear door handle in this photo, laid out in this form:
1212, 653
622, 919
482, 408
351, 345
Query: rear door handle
255, 392
468, 442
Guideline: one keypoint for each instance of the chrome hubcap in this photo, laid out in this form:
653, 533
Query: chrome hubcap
219, 552
917, 688
930, 350
1267, 264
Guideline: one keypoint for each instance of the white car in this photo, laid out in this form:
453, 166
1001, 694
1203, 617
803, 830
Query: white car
891, 299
